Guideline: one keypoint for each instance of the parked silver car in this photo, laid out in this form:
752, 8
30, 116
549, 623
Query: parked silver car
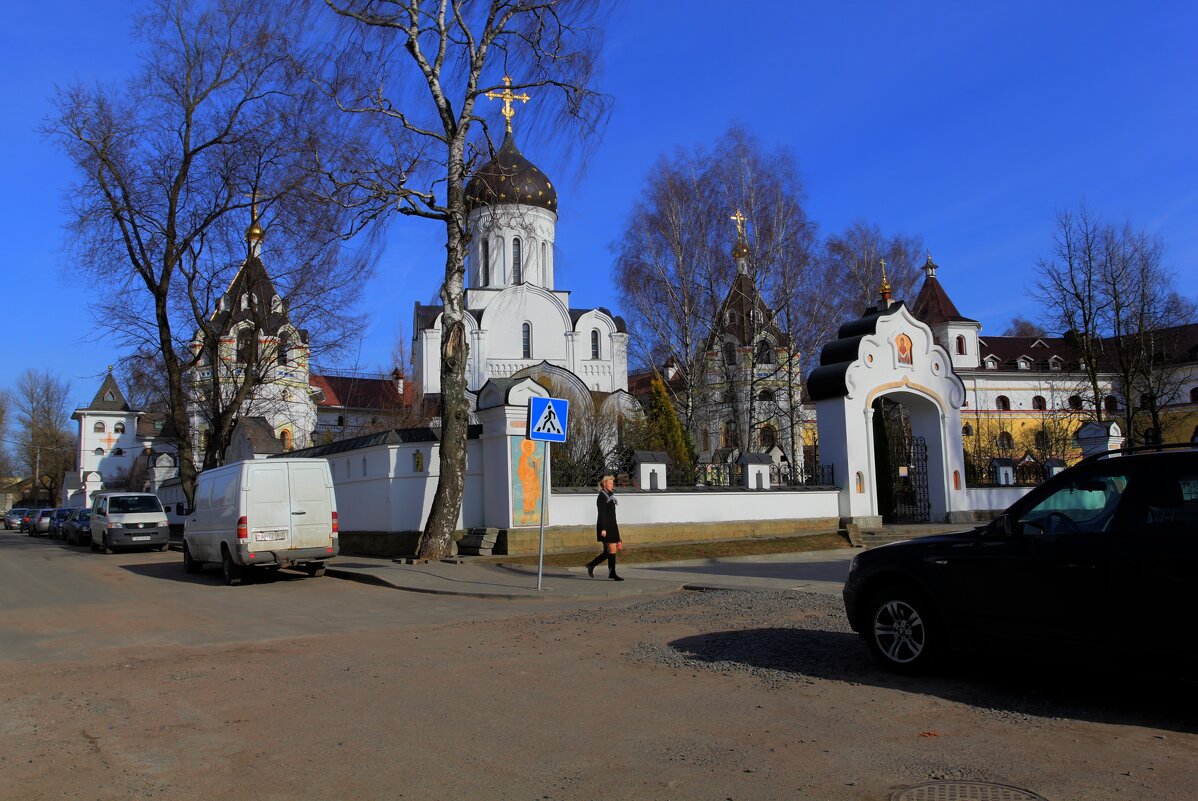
12, 518
41, 523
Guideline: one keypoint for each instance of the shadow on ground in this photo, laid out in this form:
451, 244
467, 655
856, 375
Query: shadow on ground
173, 571
1037, 688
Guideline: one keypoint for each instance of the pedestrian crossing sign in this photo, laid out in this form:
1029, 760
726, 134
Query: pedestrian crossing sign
547, 419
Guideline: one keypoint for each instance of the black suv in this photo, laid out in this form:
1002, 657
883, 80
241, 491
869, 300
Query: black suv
1100, 560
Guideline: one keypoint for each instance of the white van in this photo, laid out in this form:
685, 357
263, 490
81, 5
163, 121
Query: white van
128, 519
262, 513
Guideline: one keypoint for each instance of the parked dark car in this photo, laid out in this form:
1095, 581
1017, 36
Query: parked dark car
27, 520
12, 518
76, 530
56, 521
1098, 561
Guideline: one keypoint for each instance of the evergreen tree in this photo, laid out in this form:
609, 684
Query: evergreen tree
664, 431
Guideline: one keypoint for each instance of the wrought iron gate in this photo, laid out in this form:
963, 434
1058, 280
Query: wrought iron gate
909, 472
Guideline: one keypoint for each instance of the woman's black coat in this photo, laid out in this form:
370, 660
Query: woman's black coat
605, 502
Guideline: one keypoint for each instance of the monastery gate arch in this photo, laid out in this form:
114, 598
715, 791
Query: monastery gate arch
889, 357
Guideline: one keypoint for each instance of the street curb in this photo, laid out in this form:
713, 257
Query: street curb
546, 595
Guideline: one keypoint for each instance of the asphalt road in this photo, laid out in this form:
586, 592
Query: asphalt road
122, 677
59, 602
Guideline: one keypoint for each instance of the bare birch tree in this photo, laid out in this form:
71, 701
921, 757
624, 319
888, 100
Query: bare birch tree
1105, 287
44, 444
674, 269
220, 116
418, 69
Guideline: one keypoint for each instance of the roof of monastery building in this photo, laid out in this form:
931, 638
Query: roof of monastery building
932, 304
357, 392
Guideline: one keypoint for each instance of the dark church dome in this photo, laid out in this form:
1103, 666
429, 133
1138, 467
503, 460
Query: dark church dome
510, 178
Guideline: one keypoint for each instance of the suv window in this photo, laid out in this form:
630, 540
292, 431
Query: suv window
1171, 501
1086, 503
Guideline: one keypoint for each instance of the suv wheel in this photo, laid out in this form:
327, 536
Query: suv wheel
314, 569
107, 546
903, 632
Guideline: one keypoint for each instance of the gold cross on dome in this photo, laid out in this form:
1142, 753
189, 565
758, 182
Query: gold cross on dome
507, 96
740, 223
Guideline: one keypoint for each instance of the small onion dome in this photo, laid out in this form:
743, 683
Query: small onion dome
510, 178
254, 233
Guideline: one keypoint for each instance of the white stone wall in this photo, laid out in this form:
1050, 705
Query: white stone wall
642, 508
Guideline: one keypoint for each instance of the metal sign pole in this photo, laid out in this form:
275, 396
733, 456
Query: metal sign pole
544, 489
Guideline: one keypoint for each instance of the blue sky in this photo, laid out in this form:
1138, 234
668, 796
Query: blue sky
966, 123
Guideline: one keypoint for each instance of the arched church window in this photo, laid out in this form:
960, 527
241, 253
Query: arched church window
960, 346
766, 396
247, 350
284, 346
731, 435
119, 428
544, 259
285, 437
1005, 441
98, 451
729, 353
1002, 403
517, 267
1147, 401
526, 341
1194, 395
98, 428
245, 301
1039, 404
765, 353
1042, 440
594, 344
767, 437
340, 421
967, 430
1075, 401
485, 272
1111, 403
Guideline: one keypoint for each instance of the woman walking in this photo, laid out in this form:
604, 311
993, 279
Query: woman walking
607, 530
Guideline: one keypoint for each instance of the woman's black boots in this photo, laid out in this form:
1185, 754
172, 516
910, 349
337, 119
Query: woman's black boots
594, 563
611, 568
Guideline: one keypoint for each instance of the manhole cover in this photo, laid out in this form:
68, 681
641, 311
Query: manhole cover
964, 791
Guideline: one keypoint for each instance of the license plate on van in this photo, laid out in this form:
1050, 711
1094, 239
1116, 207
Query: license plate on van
267, 536
139, 539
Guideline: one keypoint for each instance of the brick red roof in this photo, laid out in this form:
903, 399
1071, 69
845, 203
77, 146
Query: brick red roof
355, 392
933, 306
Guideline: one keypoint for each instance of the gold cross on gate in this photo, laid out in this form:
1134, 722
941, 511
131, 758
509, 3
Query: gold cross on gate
740, 223
507, 96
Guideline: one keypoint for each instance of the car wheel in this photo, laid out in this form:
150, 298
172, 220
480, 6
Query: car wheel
233, 573
903, 631
314, 569
190, 564
91, 543
107, 546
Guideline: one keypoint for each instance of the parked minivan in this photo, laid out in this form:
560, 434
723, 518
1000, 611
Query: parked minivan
128, 519
262, 513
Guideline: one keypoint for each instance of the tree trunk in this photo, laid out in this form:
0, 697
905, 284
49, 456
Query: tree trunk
437, 539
